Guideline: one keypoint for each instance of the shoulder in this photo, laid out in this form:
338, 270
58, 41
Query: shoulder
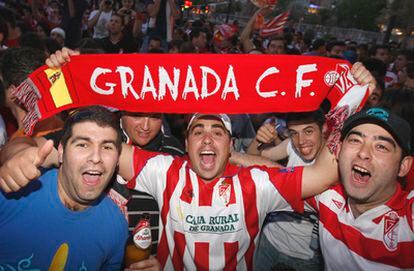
172, 146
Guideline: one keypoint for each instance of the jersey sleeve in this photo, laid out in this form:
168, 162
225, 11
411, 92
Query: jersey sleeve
150, 171
281, 189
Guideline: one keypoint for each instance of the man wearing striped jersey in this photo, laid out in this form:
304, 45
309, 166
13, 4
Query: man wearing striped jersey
366, 222
212, 211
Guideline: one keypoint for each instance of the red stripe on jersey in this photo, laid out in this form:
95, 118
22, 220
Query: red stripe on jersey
187, 193
230, 252
205, 192
201, 255
251, 215
312, 202
288, 182
402, 257
178, 254
172, 181
140, 159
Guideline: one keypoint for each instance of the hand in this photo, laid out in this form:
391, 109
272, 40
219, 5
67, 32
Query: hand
363, 76
17, 172
60, 57
266, 133
150, 264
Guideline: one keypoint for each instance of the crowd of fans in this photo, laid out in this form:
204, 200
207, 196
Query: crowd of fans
40, 28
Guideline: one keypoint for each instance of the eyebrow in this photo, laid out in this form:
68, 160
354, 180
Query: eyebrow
78, 138
380, 137
202, 126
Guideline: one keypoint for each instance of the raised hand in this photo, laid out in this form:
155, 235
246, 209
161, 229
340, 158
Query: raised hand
17, 172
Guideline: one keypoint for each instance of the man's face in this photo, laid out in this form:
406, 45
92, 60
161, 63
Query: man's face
115, 25
369, 163
201, 41
154, 44
127, 3
58, 38
208, 145
88, 163
375, 97
337, 50
141, 128
276, 47
383, 55
306, 138
400, 62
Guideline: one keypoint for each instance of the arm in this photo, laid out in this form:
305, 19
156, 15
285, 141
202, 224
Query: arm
174, 11
321, 175
94, 20
150, 264
277, 152
136, 28
265, 134
71, 7
152, 9
247, 160
248, 29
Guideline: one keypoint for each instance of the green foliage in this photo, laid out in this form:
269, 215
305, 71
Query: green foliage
359, 14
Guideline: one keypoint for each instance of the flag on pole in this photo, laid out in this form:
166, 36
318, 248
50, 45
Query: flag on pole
275, 25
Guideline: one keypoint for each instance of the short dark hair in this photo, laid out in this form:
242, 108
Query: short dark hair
33, 40
316, 116
334, 43
375, 66
196, 31
18, 63
375, 48
97, 114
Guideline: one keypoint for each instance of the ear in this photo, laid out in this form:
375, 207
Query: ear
324, 128
60, 153
405, 166
338, 150
186, 145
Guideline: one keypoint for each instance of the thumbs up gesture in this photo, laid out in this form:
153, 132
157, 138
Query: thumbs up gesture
23, 167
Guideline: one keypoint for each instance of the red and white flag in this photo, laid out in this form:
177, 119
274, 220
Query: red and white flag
275, 25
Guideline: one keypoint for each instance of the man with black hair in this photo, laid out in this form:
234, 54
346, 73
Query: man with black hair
335, 49
62, 220
198, 38
118, 41
289, 238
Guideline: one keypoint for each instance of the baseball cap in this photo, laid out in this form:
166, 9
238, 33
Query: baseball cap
58, 31
224, 118
395, 125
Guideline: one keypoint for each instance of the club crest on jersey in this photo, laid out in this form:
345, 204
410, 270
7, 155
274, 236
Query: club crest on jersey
390, 237
224, 192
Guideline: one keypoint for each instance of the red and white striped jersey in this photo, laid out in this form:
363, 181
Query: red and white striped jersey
379, 239
215, 225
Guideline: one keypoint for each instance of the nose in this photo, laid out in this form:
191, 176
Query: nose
95, 155
207, 139
301, 138
364, 151
145, 124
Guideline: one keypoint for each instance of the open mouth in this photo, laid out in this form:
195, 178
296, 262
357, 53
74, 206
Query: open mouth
208, 158
360, 174
92, 177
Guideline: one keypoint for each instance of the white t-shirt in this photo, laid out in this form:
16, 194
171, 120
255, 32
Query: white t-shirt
292, 238
100, 31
